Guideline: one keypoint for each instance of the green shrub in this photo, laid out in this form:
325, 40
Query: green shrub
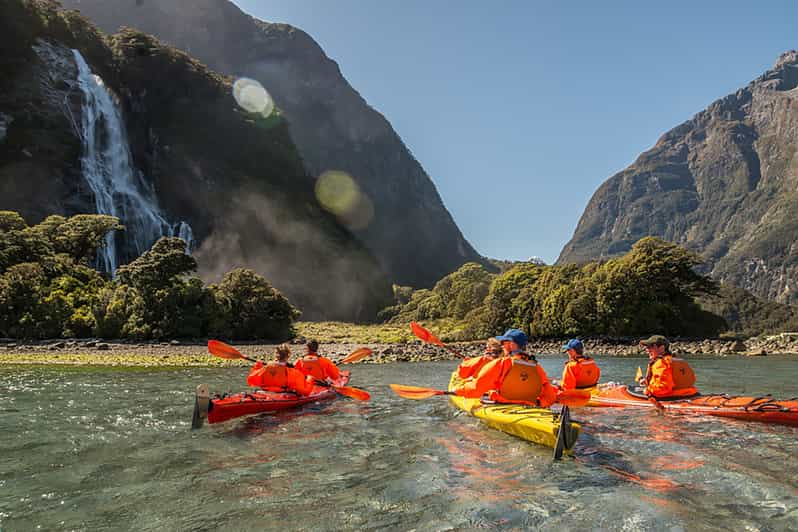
250, 308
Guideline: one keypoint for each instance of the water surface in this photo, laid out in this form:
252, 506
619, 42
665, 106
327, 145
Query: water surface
110, 449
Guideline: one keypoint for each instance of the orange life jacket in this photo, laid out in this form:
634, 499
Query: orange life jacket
522, 382
683, 375
279, 377
318, 367
311, 366
668, 376
588, 372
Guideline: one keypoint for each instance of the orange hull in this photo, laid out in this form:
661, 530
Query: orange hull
246, 404
764, 409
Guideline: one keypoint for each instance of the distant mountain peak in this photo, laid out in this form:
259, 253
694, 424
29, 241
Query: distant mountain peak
787, 59
723, 184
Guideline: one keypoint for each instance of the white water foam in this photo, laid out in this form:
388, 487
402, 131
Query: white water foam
119, 188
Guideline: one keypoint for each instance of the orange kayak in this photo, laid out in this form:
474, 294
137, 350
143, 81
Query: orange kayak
219, 409
764, 408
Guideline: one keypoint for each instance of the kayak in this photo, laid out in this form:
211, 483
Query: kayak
534, 424
219, 409
764, 408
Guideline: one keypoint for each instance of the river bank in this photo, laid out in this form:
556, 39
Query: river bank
194, 353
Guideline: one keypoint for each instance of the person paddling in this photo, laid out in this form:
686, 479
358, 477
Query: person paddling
318, 367
581, 371
278, 376
666, 376
514, 378
470, 367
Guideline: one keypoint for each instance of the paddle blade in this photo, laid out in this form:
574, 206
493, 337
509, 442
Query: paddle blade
424, 335
357, 355
415, 392
639, 374
222, 350
354, 393
573, 398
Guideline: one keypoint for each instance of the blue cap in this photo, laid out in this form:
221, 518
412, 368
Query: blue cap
574, 344
514, 335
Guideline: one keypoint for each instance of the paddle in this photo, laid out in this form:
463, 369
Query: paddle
651, 399
356, 356
427, 337
417, 392
572, 398
564, 435
223, 350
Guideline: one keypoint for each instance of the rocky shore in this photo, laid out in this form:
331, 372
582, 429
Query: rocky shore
194, 353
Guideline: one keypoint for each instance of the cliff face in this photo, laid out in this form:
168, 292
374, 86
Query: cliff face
410, 231
724, 184
235, 177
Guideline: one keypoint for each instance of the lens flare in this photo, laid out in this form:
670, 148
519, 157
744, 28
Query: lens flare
339, 194
252, 97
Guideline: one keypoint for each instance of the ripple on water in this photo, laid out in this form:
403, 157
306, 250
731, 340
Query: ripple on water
112, 449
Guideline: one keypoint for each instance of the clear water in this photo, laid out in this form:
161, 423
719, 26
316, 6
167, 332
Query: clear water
109, 449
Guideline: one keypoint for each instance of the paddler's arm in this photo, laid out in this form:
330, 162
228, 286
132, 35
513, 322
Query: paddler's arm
661, 381
300, 383
548, 393
484, 382
568, 377
330, 370
253, 379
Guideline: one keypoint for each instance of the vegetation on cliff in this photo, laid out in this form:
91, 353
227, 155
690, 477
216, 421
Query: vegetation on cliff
48, 288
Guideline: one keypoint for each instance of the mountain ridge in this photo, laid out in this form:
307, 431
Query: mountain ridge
411, 233
721, 183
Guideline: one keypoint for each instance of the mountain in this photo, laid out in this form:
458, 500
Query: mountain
724, 184
163, 136
410, 231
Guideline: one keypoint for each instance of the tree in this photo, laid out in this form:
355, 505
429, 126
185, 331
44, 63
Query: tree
249, 307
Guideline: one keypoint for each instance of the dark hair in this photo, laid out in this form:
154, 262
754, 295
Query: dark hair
313, 345
283, 352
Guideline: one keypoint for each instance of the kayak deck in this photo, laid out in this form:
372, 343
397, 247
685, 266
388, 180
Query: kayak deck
221, 409
763, 409
534, 424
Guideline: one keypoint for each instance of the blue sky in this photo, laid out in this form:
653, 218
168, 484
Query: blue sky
519, 110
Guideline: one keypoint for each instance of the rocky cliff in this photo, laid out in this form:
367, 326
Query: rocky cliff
235, 176
724, 184
410, 231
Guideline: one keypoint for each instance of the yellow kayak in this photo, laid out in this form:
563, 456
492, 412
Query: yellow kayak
538, 425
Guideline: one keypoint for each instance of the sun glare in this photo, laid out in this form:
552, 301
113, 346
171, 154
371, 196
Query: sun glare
252, 97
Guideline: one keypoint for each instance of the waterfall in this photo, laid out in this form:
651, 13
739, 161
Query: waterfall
183, 230
119, 188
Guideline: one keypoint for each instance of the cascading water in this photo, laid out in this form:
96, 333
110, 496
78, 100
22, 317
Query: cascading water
119, 189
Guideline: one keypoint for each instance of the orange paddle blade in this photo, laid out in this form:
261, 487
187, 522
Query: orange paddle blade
415, 392
424, 335
357, 355
222, 350
354, 393
573, 398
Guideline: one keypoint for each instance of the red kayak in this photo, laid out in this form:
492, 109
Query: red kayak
765, 408
220, 409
